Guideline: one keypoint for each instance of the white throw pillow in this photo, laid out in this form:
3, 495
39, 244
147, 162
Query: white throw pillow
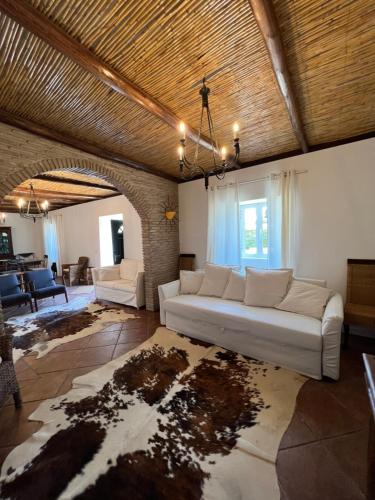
129, 269
266, 287
109, 274
307, 299
235, 289
215, 280
190, 282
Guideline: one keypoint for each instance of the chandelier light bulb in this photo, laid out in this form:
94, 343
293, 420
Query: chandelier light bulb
181, 152
2, 218
21, 203
236, 129
182, 128
223, 153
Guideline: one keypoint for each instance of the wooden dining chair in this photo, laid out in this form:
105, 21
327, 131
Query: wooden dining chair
360, 298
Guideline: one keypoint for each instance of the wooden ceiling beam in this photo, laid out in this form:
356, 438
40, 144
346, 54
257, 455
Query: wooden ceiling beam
38, 24
73, 182
267, 22
48, 133
53, 194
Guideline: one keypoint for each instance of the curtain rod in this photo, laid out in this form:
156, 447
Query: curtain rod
258, 179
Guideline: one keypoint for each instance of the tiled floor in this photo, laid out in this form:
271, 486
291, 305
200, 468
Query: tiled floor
322, 456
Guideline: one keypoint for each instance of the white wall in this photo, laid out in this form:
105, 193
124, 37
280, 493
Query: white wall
81, 229
27, 236
337, 209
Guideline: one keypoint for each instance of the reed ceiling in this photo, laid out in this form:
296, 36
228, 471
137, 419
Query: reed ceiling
61, 189
166, 47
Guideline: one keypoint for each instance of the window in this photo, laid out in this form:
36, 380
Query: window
253, 232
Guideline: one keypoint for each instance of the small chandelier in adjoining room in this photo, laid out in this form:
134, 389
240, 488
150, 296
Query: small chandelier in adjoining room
31, 208
221, 163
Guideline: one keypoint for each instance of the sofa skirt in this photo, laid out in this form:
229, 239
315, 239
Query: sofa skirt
304, 361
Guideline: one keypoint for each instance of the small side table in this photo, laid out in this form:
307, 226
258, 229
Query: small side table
369, 361
187, 262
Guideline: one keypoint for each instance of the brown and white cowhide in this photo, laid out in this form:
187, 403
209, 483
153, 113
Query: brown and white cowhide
172, 419
42, 331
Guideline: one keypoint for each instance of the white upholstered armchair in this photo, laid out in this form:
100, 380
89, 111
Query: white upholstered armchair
122, 283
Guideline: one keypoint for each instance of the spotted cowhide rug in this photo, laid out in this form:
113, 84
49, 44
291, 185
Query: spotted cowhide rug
42, 331
172, 419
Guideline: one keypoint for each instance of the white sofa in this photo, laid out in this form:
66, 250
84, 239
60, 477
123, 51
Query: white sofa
122, 283
301, 343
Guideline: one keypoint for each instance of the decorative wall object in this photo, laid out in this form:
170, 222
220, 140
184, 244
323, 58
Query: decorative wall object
169, 209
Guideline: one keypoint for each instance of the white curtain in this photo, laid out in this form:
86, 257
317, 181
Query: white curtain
282, 220
223, 244
52, 232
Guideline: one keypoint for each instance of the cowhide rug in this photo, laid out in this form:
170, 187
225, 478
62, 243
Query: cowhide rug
172, 419
42, 331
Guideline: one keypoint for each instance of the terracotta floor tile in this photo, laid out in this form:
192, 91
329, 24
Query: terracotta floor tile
349, 452
4, 452
323, 413
70, 375
73, 345
121, 349
309, 472
54, 361
115, 327
297, 433
94, 356
103, 338
14, 424
24, 371
352, 393
132, 324
133, 336
44, 387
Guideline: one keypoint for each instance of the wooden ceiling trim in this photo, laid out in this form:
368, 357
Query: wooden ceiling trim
57, 194
266, 18
38, 24
35, 128
73, 182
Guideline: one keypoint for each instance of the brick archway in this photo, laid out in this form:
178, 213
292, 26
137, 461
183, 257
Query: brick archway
144, 199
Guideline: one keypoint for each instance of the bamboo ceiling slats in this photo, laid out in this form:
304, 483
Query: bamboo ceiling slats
82, 106
165, 48
331, 54
59, 194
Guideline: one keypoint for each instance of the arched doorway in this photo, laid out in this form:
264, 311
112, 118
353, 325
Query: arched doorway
160, 258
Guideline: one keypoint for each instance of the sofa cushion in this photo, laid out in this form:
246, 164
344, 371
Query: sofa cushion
266, 287
279, 326
125, 285
235, 289
215, 280
305, 298
129, 268
190, 281
108, 273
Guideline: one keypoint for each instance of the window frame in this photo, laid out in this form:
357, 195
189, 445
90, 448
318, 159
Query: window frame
260, 258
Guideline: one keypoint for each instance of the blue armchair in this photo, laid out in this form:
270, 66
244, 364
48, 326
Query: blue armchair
11, 293
42, 285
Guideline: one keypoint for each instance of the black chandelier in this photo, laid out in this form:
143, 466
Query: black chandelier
221, 162
32, 209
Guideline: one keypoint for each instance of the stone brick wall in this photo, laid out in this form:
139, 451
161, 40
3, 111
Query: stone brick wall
23, 155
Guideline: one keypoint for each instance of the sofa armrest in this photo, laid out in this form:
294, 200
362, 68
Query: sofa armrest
167, 291
331, 335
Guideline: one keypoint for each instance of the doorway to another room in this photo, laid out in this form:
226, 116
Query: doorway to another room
111, 236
